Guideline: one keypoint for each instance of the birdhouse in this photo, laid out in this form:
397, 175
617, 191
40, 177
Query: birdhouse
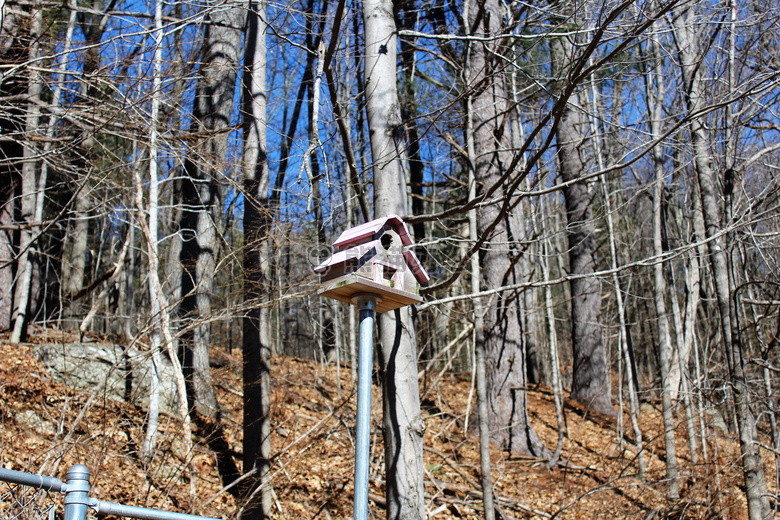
374, 258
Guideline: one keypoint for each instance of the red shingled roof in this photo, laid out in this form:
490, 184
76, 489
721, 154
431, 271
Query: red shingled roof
364, 232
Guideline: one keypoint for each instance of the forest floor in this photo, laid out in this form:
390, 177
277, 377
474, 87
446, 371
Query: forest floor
45, 428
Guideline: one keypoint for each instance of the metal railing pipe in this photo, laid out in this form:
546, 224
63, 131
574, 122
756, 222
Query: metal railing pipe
77, 500
142, 513
29, 479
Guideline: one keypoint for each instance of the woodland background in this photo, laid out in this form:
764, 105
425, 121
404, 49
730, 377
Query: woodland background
593, 187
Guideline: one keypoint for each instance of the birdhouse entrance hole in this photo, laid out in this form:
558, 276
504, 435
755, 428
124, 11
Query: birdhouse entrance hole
387, 240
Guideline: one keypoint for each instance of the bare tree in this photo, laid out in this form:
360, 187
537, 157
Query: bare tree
403, 421
590, 385
257, 220
684, 28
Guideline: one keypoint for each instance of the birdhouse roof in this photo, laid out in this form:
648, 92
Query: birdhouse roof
338, 257
417, 268
365, 232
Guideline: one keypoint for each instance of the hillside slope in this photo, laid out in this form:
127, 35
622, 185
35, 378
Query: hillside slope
44, 428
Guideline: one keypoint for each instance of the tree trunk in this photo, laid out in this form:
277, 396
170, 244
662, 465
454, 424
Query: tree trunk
24, 274
74, 258
752, 465
6, 250
555, 374
256, 341
204, 164
202, 208
655, 96
694, 260
590, 384
505, 366
11, 121
480, 370
682, 351
664, 340
403, 422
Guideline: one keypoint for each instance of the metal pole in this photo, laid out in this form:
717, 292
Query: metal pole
142, 513
76, 491
30, 479
366, 304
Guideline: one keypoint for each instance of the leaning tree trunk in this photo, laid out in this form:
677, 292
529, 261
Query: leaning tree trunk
256, 341
752, 465
590, 383
403, 422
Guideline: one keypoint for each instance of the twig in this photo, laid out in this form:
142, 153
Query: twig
453, 465
478, 494
474, 489
229, 486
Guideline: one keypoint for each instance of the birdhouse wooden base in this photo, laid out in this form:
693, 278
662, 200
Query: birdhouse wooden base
344, 288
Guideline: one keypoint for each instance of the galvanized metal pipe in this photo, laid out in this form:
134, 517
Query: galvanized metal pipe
32, 480
77, 499
76, 492
366, 304
109, 508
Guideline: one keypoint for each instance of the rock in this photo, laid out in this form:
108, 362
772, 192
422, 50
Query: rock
109, 369
30, 419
